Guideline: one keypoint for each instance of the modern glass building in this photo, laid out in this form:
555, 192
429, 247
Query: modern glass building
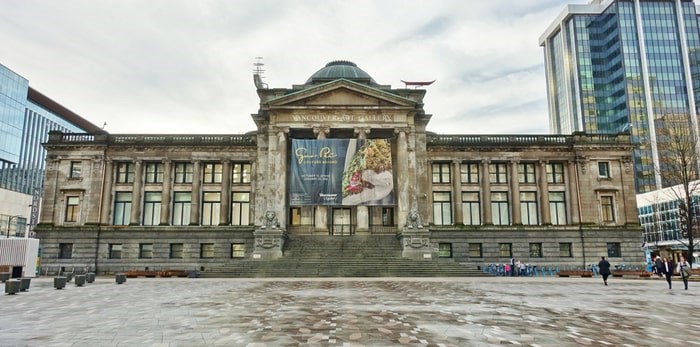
26, 117
624, 66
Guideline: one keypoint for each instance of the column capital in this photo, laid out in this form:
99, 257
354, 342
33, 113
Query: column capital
404, 130
280, 130
362, 131
321, 132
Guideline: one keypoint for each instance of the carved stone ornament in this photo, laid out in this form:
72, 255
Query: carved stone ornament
413, 220
416, 242
267, 242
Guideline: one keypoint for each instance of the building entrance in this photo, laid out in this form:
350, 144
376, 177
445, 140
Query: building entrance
341, 222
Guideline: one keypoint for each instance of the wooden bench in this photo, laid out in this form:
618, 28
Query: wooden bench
581, 273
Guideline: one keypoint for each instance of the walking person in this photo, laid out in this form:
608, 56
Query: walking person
658, 266
668, 268
604, 267
684, 270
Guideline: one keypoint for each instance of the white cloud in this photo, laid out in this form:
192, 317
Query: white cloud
186, 66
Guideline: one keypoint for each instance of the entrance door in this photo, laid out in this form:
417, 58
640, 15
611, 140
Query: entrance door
341, 222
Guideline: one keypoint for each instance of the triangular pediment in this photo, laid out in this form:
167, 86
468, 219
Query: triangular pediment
341, 93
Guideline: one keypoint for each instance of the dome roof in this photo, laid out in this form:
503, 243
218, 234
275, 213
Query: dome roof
340, 69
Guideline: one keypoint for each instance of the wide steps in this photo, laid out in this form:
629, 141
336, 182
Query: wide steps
342, 256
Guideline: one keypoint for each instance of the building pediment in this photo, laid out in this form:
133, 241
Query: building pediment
341, 93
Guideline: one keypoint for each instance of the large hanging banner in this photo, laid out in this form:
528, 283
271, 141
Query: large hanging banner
341, 172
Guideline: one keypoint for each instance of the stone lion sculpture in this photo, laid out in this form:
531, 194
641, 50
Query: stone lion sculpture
271, 219
414, 220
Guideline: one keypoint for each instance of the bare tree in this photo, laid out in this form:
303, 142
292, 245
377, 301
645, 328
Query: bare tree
678, 168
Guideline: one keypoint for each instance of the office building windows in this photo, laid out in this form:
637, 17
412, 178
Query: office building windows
607, 208
445, 250
145, 251
471, 208
526, 173
498, 173
241, 173
470, 173
182, 205
206, 250
75, 169
154, 172
441, 172
183, 172
535, 250
125, 172
237, 250
151, 208
557, 208
528, 208
603, 169
115, 251
555, 173
122, 208
72, 209
240, 207
500, 214
213, 172
442, 208
211, 208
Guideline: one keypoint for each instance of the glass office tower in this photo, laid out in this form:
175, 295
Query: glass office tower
26, 117
624, 66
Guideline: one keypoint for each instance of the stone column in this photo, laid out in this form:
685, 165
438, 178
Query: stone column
401, 171
486, 193
196, 192
362, 226
572, 200
457, 192
107, 176
280, 178
321, 213
543, 193
167, 192
515, 193
136, 194
225, 205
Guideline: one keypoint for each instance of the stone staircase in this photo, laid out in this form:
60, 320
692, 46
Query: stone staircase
342, 256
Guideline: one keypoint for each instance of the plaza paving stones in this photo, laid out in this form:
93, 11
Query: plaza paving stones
352, 312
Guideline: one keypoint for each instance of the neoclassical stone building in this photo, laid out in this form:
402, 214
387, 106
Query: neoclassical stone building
339, 155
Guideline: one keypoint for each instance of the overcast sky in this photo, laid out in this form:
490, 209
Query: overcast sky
173, 66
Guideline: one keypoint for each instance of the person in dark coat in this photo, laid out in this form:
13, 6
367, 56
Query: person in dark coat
684, 271
658, 265
604, 267
668, 268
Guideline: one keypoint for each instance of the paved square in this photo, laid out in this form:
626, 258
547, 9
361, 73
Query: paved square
352, 312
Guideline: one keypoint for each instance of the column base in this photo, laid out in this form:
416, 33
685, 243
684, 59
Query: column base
416, 244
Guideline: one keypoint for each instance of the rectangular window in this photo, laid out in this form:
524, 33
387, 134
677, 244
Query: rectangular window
603, 169
614, 250
65, 250
212, 172
176, 251
151, 208
557, 208
115, 251
206, 250
72, 208
565, 250
441, 172
444, 250
146, 251
241, 173
555, 173
75, 169
528, 208
526, 173
442, 208
607, 209
295, 216
154, 172
498, 173
182, 205
122, 208
388, 216
475, 250
499, 208
535, 250
471, 208
211, 208
505, 250
240, 206
125, 172
237, 250
183, 172
470, 173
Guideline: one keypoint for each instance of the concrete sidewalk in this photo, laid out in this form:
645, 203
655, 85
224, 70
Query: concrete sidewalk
352, 312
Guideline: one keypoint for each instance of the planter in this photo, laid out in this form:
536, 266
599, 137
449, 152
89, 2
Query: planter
120, 278
79, 280
59, 282
24, 284
4, 276
12, 287
90, 277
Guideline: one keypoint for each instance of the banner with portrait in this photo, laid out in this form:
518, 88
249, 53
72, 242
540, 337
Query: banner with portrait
341, 172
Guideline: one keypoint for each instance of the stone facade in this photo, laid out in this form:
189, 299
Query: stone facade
199, 201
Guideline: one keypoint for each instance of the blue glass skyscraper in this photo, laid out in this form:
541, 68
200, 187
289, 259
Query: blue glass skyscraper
623, 65
26, 117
